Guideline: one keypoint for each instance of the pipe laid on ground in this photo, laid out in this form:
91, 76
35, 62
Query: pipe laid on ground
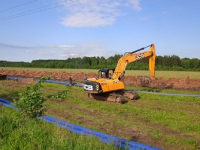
6, 103
50, 81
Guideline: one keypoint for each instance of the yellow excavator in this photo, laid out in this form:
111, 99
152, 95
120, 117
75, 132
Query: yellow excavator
111, 88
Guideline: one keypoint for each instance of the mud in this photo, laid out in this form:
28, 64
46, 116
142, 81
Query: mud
159, 83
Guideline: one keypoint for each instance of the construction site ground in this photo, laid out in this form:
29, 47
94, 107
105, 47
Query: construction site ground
160, 83
167, 122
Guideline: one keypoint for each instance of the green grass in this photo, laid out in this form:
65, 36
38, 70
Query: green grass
168, 122
26, 134
165, 74
156, 115
148, 89
52, 69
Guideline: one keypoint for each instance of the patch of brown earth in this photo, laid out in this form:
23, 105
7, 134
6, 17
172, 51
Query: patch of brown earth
28, 81
11, 83
159, 83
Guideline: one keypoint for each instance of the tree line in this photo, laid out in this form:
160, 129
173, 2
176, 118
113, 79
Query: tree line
172, 62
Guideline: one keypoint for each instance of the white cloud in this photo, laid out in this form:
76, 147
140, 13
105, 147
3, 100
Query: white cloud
88, 19
135, 4
68, 55
61, 51
60, 46
40, 52
65, 51
92, 13
89, 50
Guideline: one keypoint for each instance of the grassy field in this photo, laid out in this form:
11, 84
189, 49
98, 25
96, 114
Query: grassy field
25, 134
165, 74
168, 122
153, 90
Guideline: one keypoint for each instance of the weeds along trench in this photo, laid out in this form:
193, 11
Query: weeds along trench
165, 121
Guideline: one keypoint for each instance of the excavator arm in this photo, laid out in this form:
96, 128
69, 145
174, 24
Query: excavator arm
133, 56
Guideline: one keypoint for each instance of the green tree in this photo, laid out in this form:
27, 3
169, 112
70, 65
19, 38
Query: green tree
86, 62
185, 63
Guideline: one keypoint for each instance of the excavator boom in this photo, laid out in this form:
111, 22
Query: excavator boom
133, 56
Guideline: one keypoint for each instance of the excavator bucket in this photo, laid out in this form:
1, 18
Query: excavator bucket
3, 77
145, 81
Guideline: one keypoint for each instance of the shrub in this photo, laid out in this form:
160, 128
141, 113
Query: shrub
31, 101
59, 95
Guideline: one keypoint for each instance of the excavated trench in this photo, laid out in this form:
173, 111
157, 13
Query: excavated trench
159, 83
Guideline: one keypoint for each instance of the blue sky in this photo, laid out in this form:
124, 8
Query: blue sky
59, 29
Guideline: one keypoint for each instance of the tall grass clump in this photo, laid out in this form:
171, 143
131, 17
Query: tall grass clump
27, 133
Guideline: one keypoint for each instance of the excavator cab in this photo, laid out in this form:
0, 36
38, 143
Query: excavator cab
105, 73
94, 85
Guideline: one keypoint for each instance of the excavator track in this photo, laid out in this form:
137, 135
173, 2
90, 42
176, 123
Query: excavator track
116, 96
130, 94
110, 97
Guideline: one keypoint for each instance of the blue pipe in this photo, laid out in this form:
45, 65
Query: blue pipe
11, 78
106, 138
60, 82
50, 81
5, 101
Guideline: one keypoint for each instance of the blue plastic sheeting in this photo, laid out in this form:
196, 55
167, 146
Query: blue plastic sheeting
11, 78
50, 81
6, 103
60, 82
106, 138
119, 142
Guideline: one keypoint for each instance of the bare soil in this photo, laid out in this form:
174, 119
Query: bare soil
159, 83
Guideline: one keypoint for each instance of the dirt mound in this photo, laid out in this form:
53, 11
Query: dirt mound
28, 81
160, 83
176, 83
132, 80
